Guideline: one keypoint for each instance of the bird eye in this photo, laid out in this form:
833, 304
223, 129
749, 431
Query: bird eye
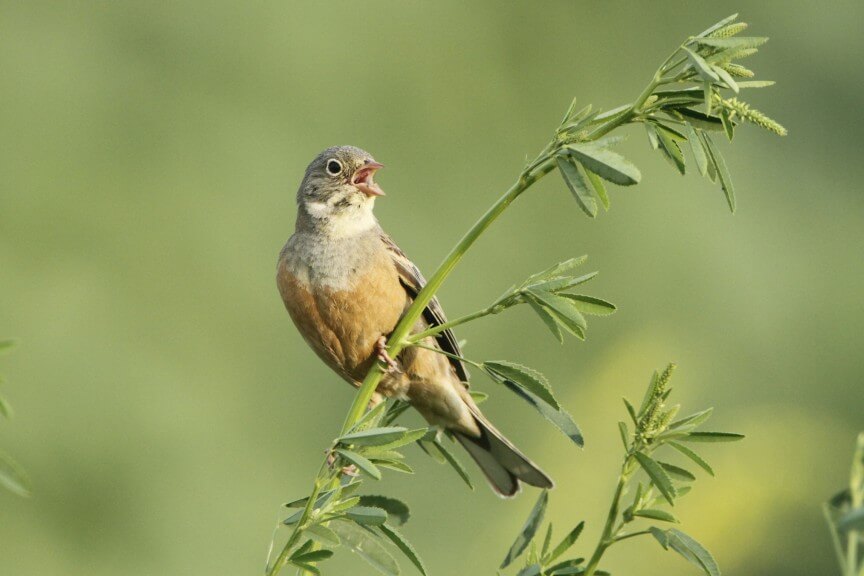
334, 167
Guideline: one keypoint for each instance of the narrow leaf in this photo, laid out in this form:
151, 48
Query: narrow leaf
374, 436
393, 465
701, 66
312, 556
547, 540
405, 438
530, 570
528, 530
701, 120
523, 377
454, 463
591, 305
563, 310
367, 545
577, 185
693, 420
722, 171
712, 437
362, 463
599, 188
718, 25
656, 515
605, 163
625, 435
696, 149
404, 546
565, 544
726, 78
735, 43
396, 509
671, 150
367, 515
547, 318
677, 472
687, 547
658, 475
323, 534
693, 456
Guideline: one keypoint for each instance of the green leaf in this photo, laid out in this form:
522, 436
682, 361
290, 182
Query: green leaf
625, 434
677, 472
406, 438
393, 465
722, 171
307, 567
693, 456
547, 540
528, 530
726, 78
631, 411
708, 98
568, 568
396, 509
344, 505
375, 436
658, 475
367, 515
605, 163
728, 125
700, 65
323, 534
653, 514
523, 377
718, 25
367, 545
557, 416
701, 120
562, 309
670, 148
454, 463
370, 417
405, 546
547, 318
599, 188
653, 138
565, 543
712, 437
530, 570
687, 547
312, 556
478, 396
591, 305
696, 149
735, 43
13, 477
561, 284
577, 185
557, 271
693, 420
362, 463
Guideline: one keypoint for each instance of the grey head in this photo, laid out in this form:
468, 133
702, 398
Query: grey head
338, 191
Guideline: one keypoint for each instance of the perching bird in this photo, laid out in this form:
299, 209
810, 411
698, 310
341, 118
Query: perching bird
346, 284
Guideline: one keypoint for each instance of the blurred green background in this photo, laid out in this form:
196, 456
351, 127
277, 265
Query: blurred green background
150, 152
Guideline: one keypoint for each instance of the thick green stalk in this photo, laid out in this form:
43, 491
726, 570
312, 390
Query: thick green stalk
399, 338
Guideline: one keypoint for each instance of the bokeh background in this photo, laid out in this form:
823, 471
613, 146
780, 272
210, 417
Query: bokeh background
150, 152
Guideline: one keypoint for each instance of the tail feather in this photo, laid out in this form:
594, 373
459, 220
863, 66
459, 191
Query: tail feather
502, 463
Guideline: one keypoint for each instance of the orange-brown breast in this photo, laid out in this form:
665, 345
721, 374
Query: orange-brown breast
342, 326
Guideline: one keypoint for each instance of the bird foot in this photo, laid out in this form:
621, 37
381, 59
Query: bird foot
381, 350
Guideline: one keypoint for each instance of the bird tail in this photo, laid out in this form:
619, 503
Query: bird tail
502, 463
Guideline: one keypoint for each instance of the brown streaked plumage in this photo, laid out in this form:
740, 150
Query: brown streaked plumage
346, 284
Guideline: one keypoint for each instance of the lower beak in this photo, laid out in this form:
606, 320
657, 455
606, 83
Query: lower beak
363, 179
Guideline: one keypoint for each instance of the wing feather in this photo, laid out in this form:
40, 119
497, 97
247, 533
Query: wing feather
413, 281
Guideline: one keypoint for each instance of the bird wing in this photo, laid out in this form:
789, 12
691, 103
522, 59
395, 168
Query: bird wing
413, 281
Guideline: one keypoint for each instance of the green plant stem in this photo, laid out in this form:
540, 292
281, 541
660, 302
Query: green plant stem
400, 337
420, 336
607, 538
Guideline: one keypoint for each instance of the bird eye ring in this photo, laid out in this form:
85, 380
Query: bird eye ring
334, 167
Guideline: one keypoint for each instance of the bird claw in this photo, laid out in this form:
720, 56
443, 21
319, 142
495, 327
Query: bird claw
381, 350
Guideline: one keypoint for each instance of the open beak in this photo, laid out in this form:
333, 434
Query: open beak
363, 179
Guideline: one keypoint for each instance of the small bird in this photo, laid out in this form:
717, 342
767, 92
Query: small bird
346, 285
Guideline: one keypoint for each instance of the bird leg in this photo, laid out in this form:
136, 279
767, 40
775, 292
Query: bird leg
381, 350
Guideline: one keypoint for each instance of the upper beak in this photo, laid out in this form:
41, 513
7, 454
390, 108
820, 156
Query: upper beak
362, 179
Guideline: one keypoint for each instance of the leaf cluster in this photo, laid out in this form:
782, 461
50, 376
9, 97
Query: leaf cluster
655, 482
694, 93
12, 475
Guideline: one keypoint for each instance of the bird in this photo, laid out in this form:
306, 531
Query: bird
346, 284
